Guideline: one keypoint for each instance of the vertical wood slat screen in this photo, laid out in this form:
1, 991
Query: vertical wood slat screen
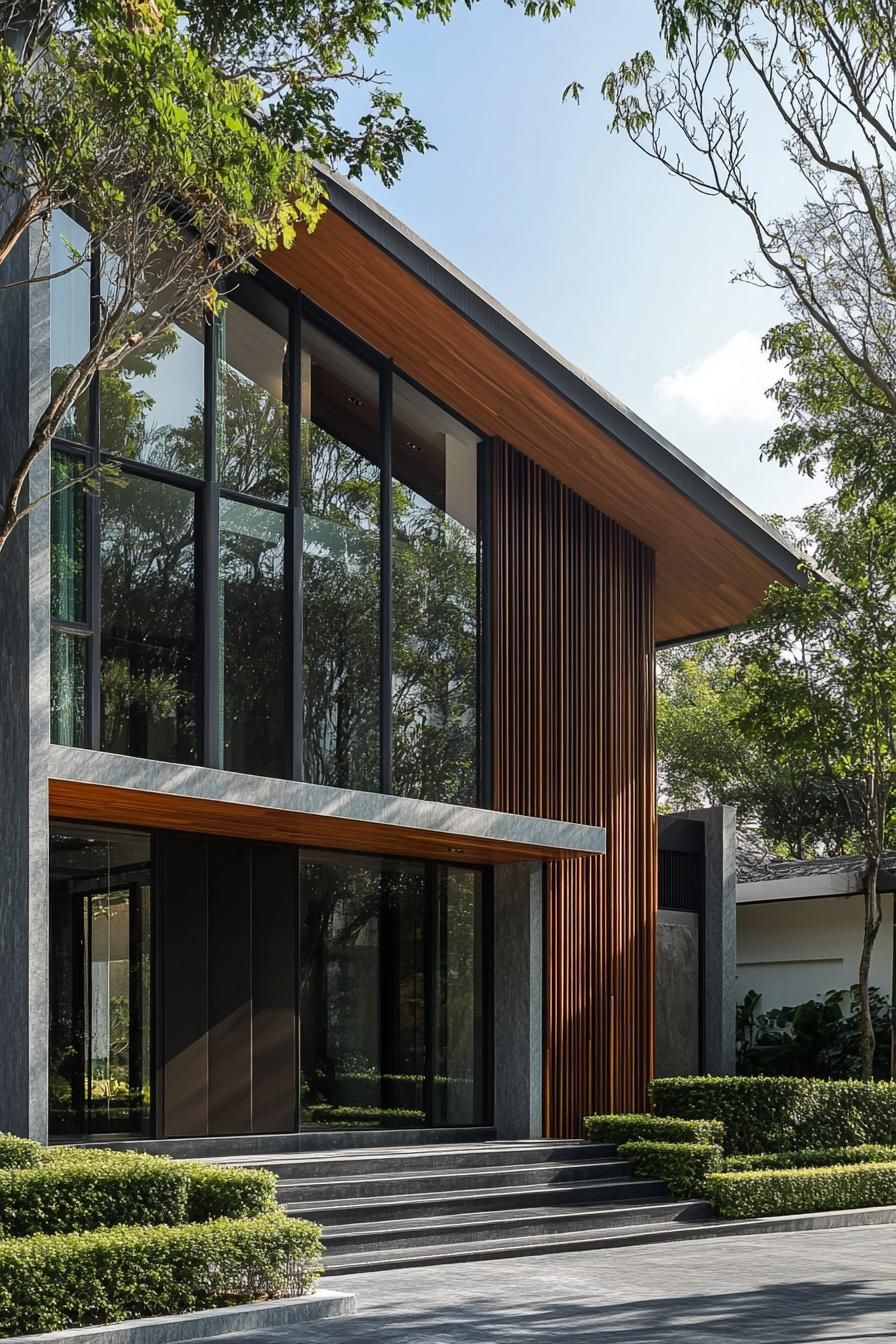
573, 739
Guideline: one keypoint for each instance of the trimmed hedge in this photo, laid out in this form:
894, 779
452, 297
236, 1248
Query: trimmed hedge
228, 1192
811, 1157
76, 1191
683, 1166
117, 1274
783, 1114
754, 1194
661, 1129
629, 1128
16, 1152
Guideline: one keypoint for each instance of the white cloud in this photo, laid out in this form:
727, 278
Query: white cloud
729, 384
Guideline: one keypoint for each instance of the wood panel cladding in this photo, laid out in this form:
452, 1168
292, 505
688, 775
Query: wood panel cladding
572, 597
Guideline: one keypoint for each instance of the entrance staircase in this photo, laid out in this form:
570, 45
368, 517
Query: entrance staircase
383, 1208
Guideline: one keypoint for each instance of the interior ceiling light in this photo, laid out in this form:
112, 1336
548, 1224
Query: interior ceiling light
355, 401
414, 447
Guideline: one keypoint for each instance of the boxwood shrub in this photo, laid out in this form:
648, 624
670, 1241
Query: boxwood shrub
753, 1194
116, 1274
810, 1157
16, 1152
663, 1129
781, 1114
81, 1189
683, 1166
228, 1192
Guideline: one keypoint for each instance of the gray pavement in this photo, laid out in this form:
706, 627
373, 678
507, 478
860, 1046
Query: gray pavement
792, 1288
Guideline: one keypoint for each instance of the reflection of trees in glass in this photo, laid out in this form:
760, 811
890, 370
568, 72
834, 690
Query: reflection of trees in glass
361, 988
253, 455
252, 639
435, 633
340, 491
148, 611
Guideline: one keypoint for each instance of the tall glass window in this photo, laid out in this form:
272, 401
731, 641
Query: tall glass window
435, 601
148, 675
69, 314
100, 1023
341, 565
151, 408
68, 601
253, 617
251, 420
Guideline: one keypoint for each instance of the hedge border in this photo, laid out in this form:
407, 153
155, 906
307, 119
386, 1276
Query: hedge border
629, 1128
684, 1167
759, 1194
115, 1274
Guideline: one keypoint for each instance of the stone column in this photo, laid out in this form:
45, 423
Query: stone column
518, 1000
24, 708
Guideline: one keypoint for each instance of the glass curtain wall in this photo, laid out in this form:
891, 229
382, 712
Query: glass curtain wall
253, 462
341, 492
100, 1024
435, 677
284, 578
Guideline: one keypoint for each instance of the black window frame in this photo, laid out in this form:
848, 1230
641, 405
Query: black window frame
208, 493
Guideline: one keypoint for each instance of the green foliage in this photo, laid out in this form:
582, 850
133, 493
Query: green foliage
811, 1157
16, 1152
833, 419
709, 752
655, 1128
818, 671
756, 1194
74, 1192
683, 1166
783, 1114
817, 1039
114, 1274
75, 1189
228, 1192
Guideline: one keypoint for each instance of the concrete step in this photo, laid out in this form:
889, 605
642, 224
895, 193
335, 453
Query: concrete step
418, 1158
364, 1239
699, 1223
463, 1204
301, 1190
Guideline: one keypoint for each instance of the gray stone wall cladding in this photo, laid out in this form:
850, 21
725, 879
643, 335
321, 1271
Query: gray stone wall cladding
24, 703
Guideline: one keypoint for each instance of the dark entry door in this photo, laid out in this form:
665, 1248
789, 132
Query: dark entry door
227, 1058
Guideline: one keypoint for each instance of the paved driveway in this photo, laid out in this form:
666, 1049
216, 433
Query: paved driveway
791, 1288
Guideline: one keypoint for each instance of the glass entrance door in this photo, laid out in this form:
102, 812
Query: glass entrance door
99, 989
392, 994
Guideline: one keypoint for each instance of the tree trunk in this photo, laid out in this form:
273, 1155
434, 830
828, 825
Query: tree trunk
872, 924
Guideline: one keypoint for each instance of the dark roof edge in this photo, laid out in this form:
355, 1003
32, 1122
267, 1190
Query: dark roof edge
582, 392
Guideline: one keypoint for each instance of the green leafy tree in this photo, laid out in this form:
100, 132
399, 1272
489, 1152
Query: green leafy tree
185, 136
818, 673
708, 755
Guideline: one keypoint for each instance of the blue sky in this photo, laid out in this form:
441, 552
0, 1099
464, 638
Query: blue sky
621, 267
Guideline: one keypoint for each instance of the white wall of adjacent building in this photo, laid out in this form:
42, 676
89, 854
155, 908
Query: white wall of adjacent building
790, 951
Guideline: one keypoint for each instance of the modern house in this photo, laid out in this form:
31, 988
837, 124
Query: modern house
799, 929
327, 741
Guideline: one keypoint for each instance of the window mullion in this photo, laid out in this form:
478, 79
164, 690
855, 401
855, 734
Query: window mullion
386, 374
207, 587
294, 547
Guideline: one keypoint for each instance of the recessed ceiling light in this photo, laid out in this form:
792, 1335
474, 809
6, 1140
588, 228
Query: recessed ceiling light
455, 849
414, 447
355, 401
